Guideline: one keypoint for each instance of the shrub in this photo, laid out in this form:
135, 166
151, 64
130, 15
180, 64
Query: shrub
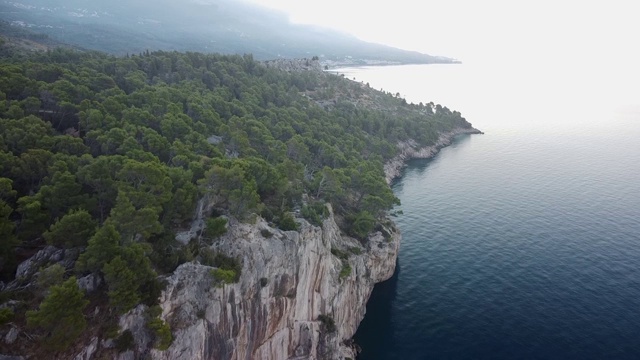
346, 270
287, 223
362, 225
327, 322
216, 227
74, 229
123, 288
131, 279
151, 291
207, 257
266, 233
60, 315
110, 329
103, 246
164, 256
355, 250
49, 276
125, 341
267, 214
6, 315
222, 276
154, 311
228, 263
315, 213
339, 253
162, 333
228, 269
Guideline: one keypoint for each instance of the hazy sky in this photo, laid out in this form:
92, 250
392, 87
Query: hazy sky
473, 30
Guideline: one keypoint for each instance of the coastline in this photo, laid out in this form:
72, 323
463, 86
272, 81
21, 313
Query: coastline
341, 66
409, 150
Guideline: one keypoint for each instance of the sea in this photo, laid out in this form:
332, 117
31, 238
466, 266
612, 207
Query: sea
522, 242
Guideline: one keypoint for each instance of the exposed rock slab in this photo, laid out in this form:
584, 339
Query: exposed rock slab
277, 320
408, 150
12, 335
87, 353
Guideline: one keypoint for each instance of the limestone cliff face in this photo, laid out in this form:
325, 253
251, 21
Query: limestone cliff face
288, 280
408, 150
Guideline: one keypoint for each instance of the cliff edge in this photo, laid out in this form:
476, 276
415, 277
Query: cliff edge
408, 150
301, 295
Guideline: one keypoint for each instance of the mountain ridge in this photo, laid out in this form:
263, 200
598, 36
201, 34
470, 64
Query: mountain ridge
220, 26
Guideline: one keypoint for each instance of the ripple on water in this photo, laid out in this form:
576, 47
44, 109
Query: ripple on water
515, 259
523, 243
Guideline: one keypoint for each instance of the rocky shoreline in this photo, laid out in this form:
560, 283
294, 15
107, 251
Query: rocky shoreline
286, 316
301, 295
294, 299
409, 150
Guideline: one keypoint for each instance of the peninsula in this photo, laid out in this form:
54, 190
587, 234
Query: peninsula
196, 206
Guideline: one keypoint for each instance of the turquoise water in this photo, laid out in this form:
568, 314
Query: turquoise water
524, 242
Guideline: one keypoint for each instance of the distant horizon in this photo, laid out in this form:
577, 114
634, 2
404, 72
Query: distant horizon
222, 26
469, 31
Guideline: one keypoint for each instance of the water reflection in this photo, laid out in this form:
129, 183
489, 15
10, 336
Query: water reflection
376, 344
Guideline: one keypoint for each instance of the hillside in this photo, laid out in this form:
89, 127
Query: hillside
118, 174
221, 26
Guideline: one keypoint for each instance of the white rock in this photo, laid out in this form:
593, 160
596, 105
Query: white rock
108, 343
27, 268
89, 283
135, 321
127, 355
88, 351
280, 320
409, 150
12, 335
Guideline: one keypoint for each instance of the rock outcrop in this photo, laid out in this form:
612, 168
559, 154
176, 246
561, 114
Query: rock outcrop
48, 255
301, 295
295, 65
408, 150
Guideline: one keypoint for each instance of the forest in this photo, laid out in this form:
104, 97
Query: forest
106, 158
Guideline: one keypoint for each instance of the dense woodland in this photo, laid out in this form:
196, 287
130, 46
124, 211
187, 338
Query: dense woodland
108, 156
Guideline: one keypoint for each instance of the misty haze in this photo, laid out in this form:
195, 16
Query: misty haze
346, 179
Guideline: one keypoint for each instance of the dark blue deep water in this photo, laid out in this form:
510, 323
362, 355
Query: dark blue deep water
522, 243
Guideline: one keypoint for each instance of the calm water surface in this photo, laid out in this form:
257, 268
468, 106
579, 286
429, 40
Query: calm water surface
524, 242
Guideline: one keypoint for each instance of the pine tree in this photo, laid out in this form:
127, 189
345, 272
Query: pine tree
8, 241
131, 279
102, 248
74, 229
60, 315
123, 285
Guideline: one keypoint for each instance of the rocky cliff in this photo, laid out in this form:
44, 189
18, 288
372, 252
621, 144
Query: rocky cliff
301, 295
408, 150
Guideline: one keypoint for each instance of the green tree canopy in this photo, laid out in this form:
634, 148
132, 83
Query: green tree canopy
59, 316
102, 248
73, 229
